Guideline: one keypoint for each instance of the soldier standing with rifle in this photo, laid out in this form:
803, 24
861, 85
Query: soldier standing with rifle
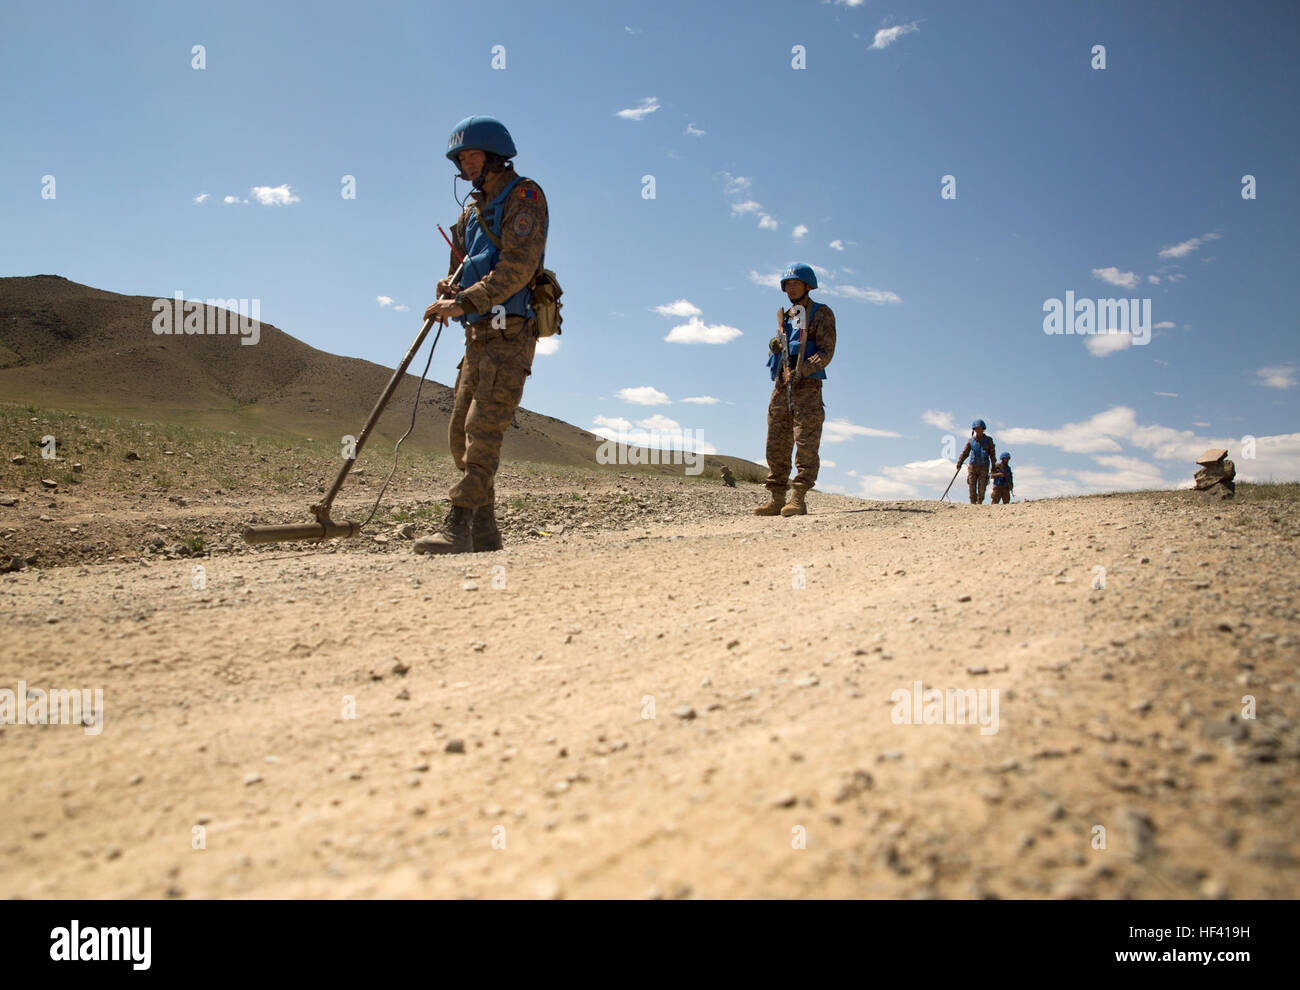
795, 413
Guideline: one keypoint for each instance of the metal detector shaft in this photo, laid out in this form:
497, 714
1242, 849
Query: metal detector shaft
951, 480
324, 528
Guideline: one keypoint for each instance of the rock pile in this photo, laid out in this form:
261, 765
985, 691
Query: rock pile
1215, 475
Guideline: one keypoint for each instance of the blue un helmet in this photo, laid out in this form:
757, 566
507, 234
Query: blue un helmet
978, 425
1005, 457
480, 134
802, 272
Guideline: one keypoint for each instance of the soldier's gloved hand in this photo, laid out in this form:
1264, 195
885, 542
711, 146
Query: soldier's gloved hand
775, 345
447, 289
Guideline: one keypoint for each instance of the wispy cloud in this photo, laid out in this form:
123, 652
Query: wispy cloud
1113, 276
1166, 395
642, 110
940, 420
862, 294
202, 198
837, 245
839, 430
644, 395
694, 131
1279, 376
767, 281
767, 223
1184, 248
800, 232
548, 345
384, 300
735, 184
1105, 344
887, 36
706, 400
748, 206
682, 307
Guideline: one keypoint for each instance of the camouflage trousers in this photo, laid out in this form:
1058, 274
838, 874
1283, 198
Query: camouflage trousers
977, 478
489, 385
1001, 494
799, 431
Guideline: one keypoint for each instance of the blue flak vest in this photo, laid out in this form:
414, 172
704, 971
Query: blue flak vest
481, 256
793, 335
979, 451
1003, 482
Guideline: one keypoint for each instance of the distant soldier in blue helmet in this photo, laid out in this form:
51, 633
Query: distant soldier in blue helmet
982, 452
1003, 481
501, 235
795, 413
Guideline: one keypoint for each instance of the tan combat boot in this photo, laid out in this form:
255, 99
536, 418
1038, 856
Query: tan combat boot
453, 537
773, 506
797, 506
486, 535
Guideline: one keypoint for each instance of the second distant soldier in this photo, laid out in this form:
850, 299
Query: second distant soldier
1003, 481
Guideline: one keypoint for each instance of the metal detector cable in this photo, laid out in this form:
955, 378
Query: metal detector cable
414, 410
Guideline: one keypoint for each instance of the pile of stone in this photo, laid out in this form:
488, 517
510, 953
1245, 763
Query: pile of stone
1215, 475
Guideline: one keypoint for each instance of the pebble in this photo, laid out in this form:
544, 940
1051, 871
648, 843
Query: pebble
963, 598
252, 778
455, 746
810, 681
684, 712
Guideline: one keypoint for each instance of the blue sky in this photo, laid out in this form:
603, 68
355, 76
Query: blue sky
1068, 178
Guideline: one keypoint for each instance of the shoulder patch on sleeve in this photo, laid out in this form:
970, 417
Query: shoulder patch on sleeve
523, 224
527, 193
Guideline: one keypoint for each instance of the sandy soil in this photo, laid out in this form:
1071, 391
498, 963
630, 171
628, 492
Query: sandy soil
500, 745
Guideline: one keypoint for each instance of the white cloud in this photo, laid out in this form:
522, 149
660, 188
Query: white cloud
695, 331
1095, 435
548, 345
1104, 344
1153, 279
887, 36
401, 308
706, 400
766, 281
202, 198
830, 464
694, 131
1184, 248
1112, 275
940, 420
868, 294
1280, 376
642, 110
681, 307
748, 206
660, 424
232, 199
644, 395
767, 223
839, 430
631, 30
735, 184
1166, 395
274, 195
837, 245
800, 232
611, 422
1164, 325
384, 300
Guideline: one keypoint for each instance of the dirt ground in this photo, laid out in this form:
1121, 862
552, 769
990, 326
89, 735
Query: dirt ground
682, 701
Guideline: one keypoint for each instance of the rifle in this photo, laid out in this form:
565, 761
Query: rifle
785, 351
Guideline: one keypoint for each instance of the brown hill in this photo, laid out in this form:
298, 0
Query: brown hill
71, 346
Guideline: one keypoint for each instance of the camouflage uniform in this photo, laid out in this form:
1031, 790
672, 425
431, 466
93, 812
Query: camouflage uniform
800, 432
977, 478
1003, 484
498, 360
